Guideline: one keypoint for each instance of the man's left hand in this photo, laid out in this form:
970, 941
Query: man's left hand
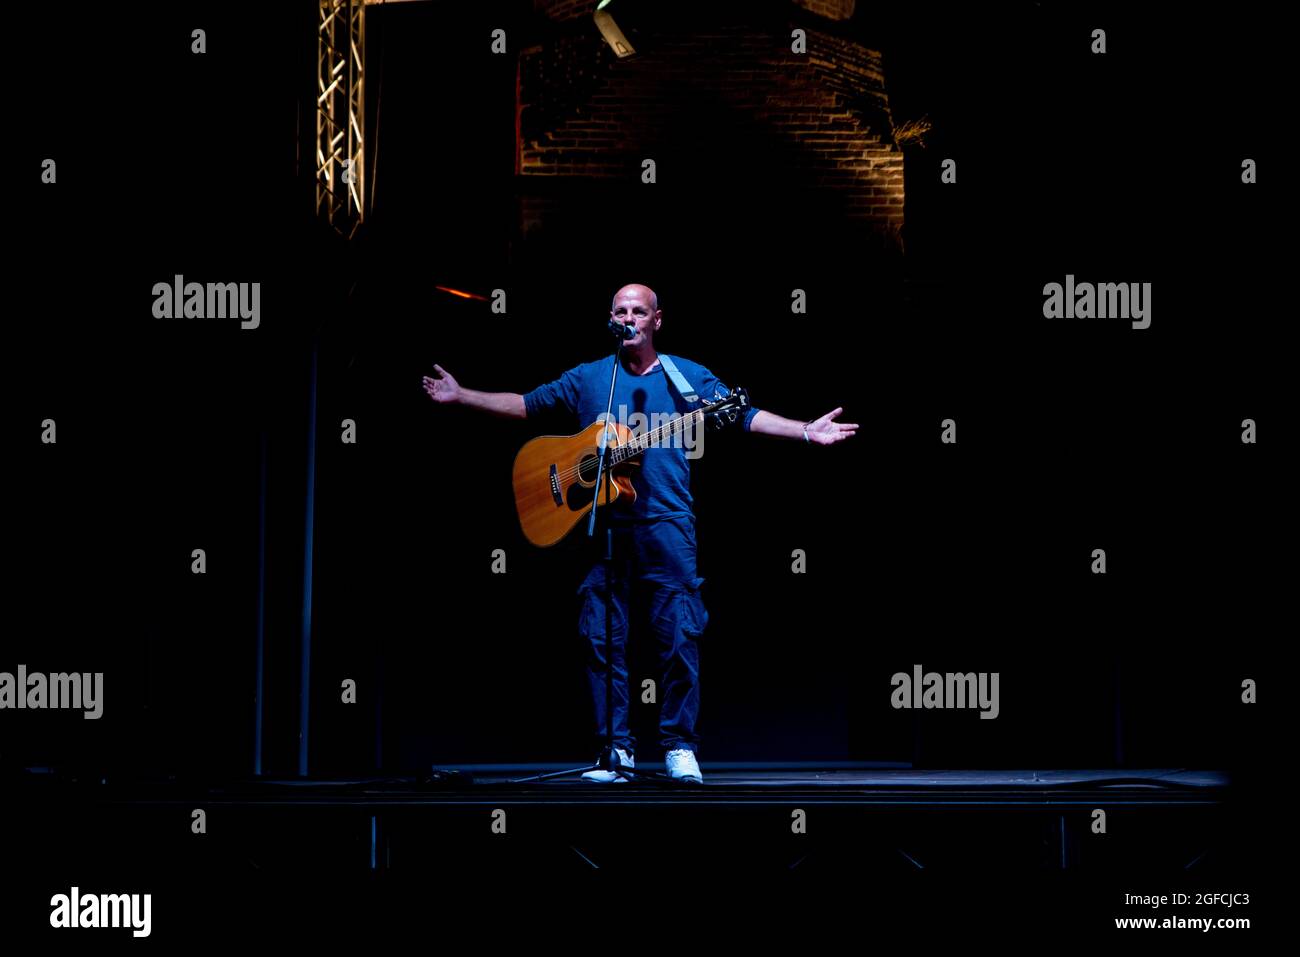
825, 432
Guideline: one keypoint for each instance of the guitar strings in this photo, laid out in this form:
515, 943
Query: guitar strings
647, 438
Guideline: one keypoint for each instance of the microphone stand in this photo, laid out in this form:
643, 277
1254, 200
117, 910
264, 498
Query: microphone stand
608, 759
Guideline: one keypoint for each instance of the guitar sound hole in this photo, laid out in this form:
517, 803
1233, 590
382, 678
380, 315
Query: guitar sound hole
587, 469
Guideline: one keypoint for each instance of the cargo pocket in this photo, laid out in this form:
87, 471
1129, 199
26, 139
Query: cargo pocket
587, 627
591, 617
694, 616
590, 605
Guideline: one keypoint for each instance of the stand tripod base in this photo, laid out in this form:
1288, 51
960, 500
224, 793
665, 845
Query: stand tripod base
608, 760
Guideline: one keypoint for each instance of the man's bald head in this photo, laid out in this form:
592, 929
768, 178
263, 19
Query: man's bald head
640, 291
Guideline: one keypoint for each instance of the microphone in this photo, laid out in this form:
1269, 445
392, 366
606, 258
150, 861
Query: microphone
621, 331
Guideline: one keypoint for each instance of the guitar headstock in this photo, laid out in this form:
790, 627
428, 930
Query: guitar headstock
726, 408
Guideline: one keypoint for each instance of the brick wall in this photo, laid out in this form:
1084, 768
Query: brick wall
569, 9
831, 9
818, 121
565, 9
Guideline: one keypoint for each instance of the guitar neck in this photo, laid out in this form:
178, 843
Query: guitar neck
642, 442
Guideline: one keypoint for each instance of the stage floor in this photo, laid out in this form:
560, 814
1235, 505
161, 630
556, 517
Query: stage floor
859, 819
476, 784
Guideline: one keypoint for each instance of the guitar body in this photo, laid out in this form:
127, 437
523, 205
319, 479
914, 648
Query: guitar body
555, 480
555, 475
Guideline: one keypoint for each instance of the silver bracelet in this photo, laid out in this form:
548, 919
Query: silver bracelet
805, 431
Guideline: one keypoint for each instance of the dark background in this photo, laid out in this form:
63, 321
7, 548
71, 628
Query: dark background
1073, 435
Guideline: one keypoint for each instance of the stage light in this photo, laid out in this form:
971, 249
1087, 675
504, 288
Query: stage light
611, 32
462, 295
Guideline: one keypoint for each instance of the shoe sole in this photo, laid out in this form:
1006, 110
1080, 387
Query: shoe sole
618, 780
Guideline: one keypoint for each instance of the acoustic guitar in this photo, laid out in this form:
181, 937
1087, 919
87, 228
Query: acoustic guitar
555, 475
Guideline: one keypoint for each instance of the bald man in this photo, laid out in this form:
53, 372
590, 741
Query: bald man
654, 537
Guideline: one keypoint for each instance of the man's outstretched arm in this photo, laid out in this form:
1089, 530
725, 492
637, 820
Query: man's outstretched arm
821, 431
445, 389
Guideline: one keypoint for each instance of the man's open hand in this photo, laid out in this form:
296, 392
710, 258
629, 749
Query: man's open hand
825, 432
443, 388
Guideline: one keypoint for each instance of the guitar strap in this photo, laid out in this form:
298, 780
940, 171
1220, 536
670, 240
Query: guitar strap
677, 379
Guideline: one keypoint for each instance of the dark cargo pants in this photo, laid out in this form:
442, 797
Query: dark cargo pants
653, 574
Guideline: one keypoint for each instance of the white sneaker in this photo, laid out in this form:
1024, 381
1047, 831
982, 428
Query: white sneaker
609, 777
682, 766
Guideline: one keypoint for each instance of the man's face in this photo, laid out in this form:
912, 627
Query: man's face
632, 308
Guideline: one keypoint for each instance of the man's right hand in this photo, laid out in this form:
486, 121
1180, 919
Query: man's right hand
444, 388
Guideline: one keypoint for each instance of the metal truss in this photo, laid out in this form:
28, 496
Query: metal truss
341, 114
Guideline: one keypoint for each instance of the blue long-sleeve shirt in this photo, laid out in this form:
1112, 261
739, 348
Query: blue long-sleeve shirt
662, 482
